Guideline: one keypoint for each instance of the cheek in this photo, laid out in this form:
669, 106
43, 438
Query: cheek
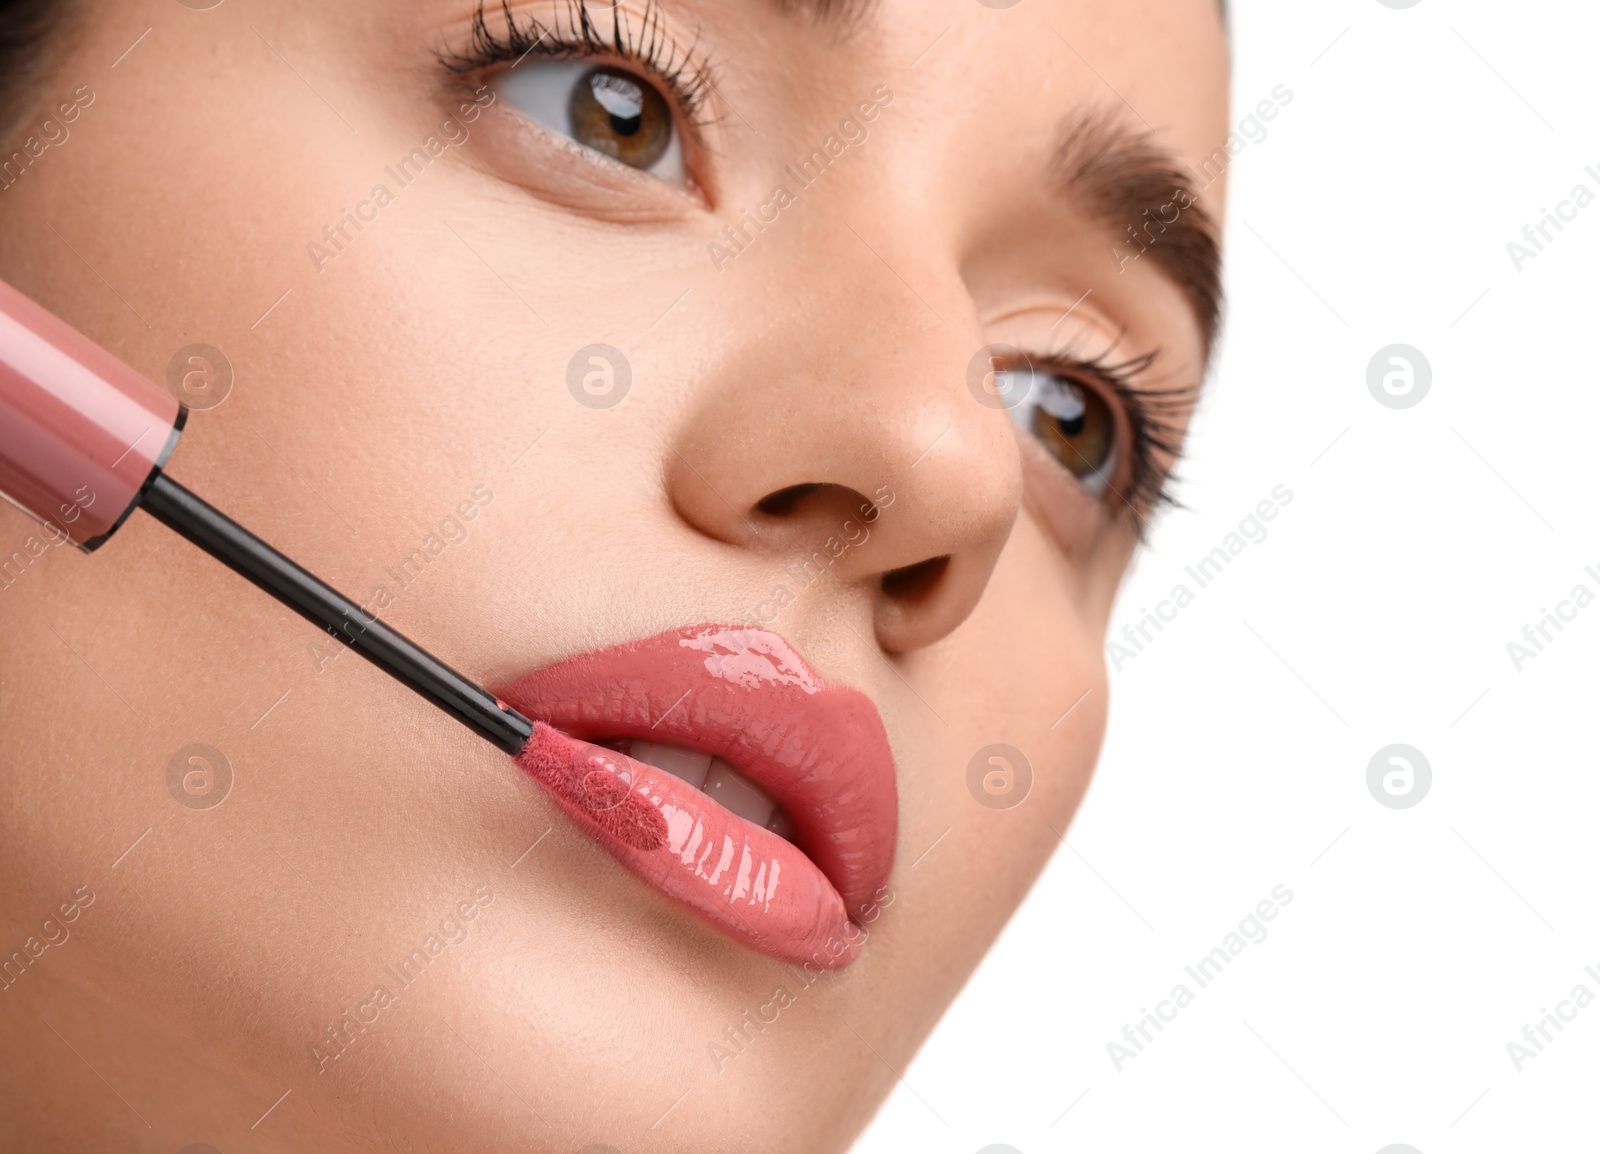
1046, 610
1074, 537
1074, 519
1031, 649
1048, 614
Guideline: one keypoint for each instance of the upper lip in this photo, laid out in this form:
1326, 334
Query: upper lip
746, 696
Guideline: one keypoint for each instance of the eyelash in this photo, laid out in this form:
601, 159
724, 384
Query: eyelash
684, 74
1154, 417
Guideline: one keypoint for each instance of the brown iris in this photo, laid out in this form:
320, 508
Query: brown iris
622, 116
1077, 426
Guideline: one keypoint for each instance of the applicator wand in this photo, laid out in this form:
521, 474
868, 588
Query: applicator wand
83, 441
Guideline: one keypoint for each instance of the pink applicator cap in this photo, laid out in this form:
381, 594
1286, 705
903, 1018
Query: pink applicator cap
83, 433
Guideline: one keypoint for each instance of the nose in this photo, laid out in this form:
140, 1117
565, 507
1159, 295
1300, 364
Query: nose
844, 440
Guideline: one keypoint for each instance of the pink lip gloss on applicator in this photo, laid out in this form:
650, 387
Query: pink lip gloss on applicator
83, 440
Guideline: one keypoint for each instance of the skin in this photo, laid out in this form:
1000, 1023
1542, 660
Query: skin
580, 1006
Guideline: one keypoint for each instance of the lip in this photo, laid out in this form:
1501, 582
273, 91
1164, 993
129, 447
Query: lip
746, 696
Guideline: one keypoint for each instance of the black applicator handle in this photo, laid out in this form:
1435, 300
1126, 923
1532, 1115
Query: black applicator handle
256, 561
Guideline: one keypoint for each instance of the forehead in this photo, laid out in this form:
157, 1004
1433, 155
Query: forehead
1161, 66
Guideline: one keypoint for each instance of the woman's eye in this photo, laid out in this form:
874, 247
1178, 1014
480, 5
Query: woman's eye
1074, 422
607, 109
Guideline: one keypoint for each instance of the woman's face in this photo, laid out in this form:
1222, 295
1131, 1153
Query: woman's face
536, 361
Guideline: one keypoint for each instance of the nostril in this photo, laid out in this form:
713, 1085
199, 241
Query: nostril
915, 582
783, 502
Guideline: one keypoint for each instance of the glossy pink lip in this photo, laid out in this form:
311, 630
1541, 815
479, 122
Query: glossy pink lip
743, 695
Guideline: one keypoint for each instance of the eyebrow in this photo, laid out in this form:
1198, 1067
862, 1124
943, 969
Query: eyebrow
846, 12
857, 9
1150, 206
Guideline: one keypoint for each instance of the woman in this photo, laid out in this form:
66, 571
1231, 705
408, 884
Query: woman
821, 360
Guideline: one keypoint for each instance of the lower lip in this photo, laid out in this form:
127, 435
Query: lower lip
747, 881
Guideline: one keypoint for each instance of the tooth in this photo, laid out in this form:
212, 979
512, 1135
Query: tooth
689, 764
738, 794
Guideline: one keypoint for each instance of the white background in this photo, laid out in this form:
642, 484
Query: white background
1378, 610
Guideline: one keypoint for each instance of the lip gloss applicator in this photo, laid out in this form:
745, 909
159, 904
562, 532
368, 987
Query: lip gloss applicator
83, 440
